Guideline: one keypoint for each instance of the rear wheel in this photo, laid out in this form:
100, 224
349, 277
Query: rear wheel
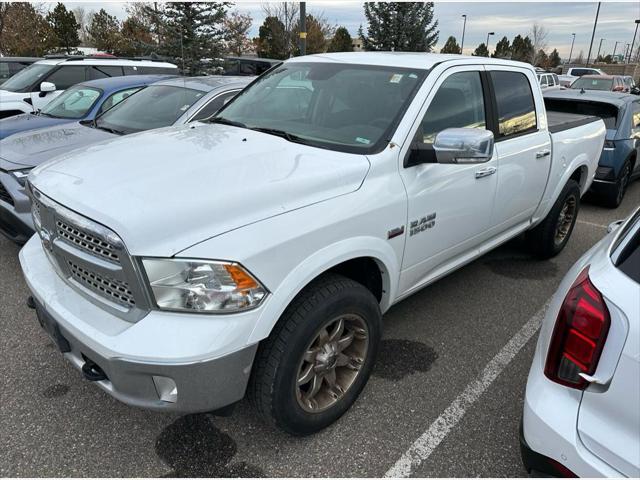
549, 237
612, 197
319, 357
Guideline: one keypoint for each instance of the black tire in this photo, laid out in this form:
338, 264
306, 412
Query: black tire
542, 239
613, 195
273, 385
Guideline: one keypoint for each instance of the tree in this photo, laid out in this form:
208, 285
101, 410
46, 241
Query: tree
522, 49
451, 46
579, 60
481, 51
400, 26
341, 41
135, 38
503, 49
193, 33
539, 41
24, 31
271, 39
316, 41
104, 32
542, 60
287, 13
237, 25
82, 19
604, 59
64, 26
554, 59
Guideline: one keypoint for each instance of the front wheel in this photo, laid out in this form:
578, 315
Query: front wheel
319, 357
548, 238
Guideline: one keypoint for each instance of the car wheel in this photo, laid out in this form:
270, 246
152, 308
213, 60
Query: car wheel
319, 356
613, 196
550, 236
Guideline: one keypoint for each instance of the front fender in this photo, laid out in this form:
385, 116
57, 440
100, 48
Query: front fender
322, 261
17, 105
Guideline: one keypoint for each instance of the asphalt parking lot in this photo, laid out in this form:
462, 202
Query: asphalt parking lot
436, 343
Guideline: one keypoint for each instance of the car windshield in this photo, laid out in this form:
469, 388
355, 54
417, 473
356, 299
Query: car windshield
154, 107
343, 107
607, 112
25, 78
73, 103
593, 83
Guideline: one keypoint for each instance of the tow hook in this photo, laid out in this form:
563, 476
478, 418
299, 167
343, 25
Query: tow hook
93, 372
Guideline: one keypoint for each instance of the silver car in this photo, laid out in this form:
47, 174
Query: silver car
169, 102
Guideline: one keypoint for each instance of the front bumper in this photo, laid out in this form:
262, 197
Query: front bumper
15, 218
192, 351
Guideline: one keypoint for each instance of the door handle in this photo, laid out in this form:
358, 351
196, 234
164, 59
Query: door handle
543, 153
485, 172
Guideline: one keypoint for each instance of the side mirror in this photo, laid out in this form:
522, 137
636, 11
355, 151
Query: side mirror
463, 145
46, 87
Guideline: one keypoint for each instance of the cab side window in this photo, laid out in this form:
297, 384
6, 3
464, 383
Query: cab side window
116, 98
458, 103
635, 120
213, 106
67, 76
514, 99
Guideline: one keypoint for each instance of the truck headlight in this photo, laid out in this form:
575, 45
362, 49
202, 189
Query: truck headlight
202, 285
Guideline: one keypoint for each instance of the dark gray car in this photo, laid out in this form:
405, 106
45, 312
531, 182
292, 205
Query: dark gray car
169, 102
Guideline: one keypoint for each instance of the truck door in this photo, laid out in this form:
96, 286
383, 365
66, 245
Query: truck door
449, 205
523, 146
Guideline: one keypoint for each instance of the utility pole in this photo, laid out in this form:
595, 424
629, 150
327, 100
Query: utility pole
634, 40
615, 47
571, 51
303, 28
464, 27
599, 47
593, 34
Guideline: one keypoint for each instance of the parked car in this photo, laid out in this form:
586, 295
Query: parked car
271, 240
168, 102
618, 164
35, 86
248, 65
9, 66
576, 72
631, 85
582, 403
607, 83
548, 81
84, 101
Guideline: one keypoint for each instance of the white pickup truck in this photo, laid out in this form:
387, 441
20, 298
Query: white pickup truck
183, 268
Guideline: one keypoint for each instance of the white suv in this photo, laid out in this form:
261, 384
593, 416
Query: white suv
35, 86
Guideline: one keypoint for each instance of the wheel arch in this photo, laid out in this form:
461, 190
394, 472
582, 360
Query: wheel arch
370, 262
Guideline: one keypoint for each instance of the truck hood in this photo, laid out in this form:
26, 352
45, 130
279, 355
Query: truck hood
37, 146
26, 122
165, 190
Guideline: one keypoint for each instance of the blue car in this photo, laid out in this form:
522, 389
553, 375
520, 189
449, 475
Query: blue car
620, 159
84, 101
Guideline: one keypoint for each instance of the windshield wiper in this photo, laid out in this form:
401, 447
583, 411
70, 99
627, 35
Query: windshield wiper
281, 133
226, 121
107, 129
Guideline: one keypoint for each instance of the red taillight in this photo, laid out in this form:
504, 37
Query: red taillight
579, 335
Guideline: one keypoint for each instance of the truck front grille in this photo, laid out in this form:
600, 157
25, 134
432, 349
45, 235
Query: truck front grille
4, 195
86, 241
108, 287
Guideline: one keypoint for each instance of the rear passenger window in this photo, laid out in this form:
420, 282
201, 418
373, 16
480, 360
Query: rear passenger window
516, 109
117, 98
459, 103
96, 72
635, 119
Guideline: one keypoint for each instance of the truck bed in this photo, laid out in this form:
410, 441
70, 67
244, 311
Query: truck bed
561, 121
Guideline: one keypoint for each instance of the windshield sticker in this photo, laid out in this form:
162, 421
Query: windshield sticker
366, 141
184, 108
413, 75
395, 78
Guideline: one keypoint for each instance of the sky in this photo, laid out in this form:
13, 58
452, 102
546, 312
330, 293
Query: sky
561, 19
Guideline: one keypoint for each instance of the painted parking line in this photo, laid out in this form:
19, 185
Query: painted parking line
584, 222
424, 446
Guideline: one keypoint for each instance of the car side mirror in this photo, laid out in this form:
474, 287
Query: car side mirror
46, 87
464, 145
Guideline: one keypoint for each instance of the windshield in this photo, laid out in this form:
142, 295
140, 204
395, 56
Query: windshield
24, 79
343, 107
607, 112
73, 103
154, 107
593, 83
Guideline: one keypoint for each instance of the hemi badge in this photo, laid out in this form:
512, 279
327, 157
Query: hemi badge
395, 232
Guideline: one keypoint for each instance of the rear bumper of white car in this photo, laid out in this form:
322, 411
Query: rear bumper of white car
117, 358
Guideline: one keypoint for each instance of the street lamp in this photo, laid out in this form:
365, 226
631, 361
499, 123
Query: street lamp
599, 47
593, 34
615, 47
487, 44
464, 27
571, 51
634, 40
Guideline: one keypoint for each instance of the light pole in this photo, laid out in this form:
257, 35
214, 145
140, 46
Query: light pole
571, 51
464, 27
593, 34
615, 47
633, 41
487, 44
303, 28
599, 47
